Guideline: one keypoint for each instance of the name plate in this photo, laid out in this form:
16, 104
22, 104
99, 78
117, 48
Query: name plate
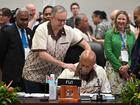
74, 82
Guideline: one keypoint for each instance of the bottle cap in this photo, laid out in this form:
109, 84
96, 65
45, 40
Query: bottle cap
52, 76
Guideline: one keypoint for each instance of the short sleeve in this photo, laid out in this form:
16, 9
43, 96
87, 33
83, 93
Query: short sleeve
74, 35
40, 38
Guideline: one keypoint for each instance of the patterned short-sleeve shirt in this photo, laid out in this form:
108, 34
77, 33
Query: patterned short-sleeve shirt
36, 69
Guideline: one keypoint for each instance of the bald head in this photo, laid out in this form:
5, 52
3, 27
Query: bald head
88, 55
87, 61
31, 8
113, 14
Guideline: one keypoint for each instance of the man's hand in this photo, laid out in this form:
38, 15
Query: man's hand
36, 16
69, 66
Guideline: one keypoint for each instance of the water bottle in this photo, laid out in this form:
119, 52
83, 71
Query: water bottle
52, 87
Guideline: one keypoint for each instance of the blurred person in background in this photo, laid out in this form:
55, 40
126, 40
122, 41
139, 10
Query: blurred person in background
113, 15
5, 16
102, 25
34, 15
13, 19
46, 16
81, 28
47, 13
75, 9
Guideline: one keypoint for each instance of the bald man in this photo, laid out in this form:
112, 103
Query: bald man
34, 15
113, 15
89, 72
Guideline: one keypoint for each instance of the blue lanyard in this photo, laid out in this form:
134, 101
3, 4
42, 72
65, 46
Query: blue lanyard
123, 39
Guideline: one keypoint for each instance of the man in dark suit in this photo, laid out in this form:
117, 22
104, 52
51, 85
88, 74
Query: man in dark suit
15, 45
75, 8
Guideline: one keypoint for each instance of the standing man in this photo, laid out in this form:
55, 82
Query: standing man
50, 43
14, 48
135, 58
34, 15
75, 8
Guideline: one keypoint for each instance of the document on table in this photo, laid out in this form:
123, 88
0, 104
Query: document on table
23, 94
84, 96
105, 96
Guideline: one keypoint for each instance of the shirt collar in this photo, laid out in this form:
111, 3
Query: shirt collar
60, 33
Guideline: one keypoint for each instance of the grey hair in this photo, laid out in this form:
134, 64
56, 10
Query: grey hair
79, 18
21, 10
58, 9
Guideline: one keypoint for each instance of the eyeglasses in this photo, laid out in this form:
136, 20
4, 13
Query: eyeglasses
60, 20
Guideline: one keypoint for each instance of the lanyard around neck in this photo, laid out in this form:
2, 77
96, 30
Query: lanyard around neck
123, 39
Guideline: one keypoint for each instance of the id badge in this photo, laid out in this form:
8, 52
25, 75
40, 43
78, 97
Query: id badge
124, 55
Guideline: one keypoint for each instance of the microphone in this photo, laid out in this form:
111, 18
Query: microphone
99, 97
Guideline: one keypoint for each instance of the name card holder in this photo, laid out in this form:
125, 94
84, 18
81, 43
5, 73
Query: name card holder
69, 91
68, 94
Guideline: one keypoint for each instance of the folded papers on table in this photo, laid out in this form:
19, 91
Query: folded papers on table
82, 96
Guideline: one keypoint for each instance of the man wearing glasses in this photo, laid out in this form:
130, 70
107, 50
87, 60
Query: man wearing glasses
49, 46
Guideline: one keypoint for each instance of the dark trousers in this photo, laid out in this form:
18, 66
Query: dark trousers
35, 87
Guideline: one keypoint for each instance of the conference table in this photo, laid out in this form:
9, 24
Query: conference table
36, 101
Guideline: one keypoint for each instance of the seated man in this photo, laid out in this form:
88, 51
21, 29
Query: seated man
90, 73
